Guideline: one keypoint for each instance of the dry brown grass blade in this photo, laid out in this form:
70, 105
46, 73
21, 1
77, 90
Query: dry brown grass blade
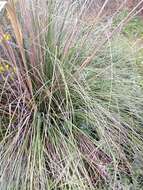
19, 38
15, 23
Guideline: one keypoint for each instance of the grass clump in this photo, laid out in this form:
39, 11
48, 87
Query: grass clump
70, 118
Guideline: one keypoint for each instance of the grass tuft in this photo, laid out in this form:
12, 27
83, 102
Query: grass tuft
70, 101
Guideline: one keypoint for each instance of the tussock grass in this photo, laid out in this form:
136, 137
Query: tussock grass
71, 109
